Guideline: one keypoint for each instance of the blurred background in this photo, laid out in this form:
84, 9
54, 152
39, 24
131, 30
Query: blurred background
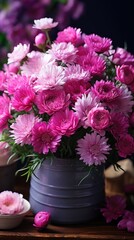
107, 18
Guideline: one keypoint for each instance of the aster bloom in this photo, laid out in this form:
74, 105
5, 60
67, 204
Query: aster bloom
93, 149
119, 124
21, 130
115, 208
41, 219
19, 53
123, 148
44, 24
127, 222
76, 72
5, 111
122, 56
44, 139
11, 202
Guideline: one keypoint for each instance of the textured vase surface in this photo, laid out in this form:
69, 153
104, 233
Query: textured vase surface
67, 190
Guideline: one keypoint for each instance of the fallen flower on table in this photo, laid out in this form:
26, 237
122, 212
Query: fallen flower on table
115, 209
11, 202
41, 220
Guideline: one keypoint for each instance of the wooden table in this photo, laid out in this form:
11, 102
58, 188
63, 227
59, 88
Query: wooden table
93, 230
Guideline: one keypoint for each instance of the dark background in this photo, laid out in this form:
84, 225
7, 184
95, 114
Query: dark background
109, 18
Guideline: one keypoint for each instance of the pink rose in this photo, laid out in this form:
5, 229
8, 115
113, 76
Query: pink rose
98, 118
41, 219
125, 74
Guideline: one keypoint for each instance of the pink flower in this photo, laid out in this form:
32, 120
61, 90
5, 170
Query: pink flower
5, 109
44, 23
93, 149
106, 91
23, 98
21, 130
64, 122
44, 139
115, 208
125, 74
122, 56
2, 80
98, 118
83, 105
41, 219
127, 221
97, 43
50, 101
76, 89
65, 52
56, 76
70, 34
76, 72
19, 53
119, 124
15, 81
11, 202
40, 40
124, 149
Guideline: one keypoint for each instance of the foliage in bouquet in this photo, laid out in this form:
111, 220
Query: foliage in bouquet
16, 19
70, 98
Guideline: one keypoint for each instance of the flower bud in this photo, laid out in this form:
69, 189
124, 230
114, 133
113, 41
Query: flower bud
40, 40
41, 219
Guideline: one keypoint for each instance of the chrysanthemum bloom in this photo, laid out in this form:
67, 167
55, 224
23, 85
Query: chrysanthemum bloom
127, 222
93, 149
64, 122
11, 202
55, 74
44, 24
50, 101
76, 72
44, 139
2, 80
19, 53
41, 219
83, 105
115, 207
97, 43
99, 118
22, 128
15, 81
23, 98
125, 145
125, 74
70, 34
65, 52
5, 111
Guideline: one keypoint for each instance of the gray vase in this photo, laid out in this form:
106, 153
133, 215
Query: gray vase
67, 190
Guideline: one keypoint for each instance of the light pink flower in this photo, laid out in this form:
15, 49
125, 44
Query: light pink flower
51, 77
125, 145
15, 81
64, 122
70, 34
115, 207
44, 23
65, 52
23, 98
125, 74
97, 43
83, 105
99, 118
44, 139
21, 129
127, 222
50, 101
5, 111
19, 53
41, 219
76, 72
11, 202
93, 149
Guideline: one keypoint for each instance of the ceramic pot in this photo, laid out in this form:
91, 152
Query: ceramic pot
67, 190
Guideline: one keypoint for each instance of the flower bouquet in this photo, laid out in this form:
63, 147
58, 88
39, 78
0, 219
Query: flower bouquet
72, 97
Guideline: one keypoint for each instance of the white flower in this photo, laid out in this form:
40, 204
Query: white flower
44, 23
19, 53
